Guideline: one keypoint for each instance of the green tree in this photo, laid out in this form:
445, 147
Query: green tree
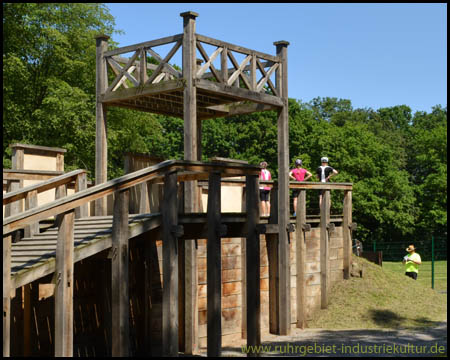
49, 76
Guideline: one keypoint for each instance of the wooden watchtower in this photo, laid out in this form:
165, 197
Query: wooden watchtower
198, 92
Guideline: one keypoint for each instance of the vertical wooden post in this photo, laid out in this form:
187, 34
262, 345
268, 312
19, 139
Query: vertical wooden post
6, 294
64, 285
224, 64
120, 304
81, 184
214, 268
170, 267
272, 254
31, 202
243, 272
101, 154
284, 293
190, 153
18, 158
301, 259
347, 235
324, 248
253, 263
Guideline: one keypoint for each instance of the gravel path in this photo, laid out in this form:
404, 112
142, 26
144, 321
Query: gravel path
354, 343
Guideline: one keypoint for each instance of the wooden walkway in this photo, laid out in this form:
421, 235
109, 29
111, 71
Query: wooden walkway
34, 257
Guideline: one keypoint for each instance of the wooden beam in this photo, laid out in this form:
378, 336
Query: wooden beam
9, 174
170, 267
6, 295
52, 183
214, 268
190, 187
253, 264
80, 185
301, 259
64, 285
120, 302
101, 150
324, 249
31, 202
147, 44
237, 48
347, 233
238, 93
283, 194
272, 255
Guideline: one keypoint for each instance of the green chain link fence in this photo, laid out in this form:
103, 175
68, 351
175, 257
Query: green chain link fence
433, 252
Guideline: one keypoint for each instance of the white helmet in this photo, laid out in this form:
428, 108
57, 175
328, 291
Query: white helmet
324, 159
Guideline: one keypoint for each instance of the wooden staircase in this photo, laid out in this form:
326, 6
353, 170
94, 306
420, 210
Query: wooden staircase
34, 257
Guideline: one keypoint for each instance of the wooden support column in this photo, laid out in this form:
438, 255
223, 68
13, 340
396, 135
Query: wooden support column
31, 202
214, 268
272, 254
64, 284
284, 289
347, 233
6, 294
302, 227
190, 195
170, 267
253, 263
101, 151
81, 184
120, 303
243, 272
324, 249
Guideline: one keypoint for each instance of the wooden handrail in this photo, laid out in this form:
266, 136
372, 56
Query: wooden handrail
152, 173
294, 184
42, 186
17, 175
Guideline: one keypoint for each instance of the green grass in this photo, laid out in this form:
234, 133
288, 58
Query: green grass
383, 298
424, 277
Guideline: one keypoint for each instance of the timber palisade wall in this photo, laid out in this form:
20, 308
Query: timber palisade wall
92, 294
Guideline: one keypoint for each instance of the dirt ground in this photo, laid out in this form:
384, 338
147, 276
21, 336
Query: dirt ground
352, 343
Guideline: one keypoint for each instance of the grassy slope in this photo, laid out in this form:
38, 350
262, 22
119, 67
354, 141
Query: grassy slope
381, 299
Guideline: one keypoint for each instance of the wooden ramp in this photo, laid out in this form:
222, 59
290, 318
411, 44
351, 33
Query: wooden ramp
34, 257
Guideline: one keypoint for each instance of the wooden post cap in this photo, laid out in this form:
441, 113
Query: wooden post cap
191, 14
102, 37
281, 43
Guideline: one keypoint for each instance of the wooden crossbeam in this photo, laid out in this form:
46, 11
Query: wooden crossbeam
116, 68
266, 78
168, 67
164, 61
209, 61
239, 69
122, 72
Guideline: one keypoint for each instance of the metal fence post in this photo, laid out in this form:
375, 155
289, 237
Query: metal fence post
432, 261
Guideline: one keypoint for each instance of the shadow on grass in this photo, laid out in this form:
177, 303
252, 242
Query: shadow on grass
389, 319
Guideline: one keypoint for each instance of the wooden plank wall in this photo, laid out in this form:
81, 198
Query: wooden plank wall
92, 294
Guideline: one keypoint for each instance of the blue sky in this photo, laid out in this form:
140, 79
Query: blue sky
376, 55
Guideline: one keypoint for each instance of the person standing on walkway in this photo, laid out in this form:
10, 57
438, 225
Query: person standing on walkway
298, 174
324, 173
264, 190
412, 262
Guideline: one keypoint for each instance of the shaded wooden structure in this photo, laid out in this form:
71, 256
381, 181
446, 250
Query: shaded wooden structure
246, 81
198, 92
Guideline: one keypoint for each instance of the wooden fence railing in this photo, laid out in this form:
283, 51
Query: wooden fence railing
64, 208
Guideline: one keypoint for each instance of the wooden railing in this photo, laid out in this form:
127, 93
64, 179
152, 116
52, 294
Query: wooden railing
30, 193
253, 72
171, 171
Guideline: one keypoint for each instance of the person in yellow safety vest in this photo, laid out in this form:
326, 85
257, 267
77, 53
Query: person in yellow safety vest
412, 262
